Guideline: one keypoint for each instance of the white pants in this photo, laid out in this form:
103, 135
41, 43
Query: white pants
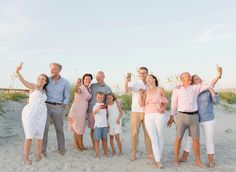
155, 125
208, 128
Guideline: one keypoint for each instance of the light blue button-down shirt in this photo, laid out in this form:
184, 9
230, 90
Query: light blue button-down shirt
205, 106
58, 91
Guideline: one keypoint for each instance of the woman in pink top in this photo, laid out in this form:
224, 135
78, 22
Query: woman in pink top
154, 102
78, 110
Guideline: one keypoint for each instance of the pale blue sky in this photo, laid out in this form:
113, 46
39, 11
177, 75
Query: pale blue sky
118, 36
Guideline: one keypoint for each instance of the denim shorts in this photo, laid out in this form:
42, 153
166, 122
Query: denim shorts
100, 133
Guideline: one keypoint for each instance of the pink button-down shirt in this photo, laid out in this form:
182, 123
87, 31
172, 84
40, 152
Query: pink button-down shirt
185, 99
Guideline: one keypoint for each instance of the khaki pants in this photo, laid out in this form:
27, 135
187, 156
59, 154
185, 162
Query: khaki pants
137, 119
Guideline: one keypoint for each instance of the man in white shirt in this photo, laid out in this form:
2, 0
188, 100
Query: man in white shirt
137, 113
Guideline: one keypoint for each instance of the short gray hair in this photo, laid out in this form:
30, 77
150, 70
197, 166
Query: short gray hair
57, 64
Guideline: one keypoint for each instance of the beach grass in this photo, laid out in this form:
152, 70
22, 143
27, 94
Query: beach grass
228, 96
13, 96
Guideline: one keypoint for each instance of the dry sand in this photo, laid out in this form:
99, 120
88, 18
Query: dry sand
12, 136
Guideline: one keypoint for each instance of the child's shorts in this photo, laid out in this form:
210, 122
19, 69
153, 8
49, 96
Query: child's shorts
100, 133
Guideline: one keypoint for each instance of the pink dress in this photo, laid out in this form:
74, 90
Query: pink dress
78, 111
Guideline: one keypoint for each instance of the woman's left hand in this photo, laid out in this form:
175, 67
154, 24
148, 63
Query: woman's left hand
118, 120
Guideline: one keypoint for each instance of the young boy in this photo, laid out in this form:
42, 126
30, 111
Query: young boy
100, 126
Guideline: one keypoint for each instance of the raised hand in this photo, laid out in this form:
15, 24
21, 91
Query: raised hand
18, 68
219, 70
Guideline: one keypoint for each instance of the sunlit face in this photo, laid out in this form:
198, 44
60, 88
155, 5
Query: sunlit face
87, 80
100, 77
99, 98
143, 74
42, 80
150, 80
110, 99
54, 69
196, 80
186, 78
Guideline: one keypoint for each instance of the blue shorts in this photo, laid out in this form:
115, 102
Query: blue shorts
100, 133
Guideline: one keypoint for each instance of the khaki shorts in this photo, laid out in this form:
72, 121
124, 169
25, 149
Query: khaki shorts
186, 121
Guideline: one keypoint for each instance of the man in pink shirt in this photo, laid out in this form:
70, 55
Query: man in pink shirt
184, 106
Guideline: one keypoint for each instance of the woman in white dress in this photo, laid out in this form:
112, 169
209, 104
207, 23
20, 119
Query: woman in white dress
34, 114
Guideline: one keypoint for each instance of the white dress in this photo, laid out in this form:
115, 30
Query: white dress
34, 115
113, 114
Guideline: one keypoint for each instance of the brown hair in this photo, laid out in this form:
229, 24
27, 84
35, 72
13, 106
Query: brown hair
143, 68
154, 77
100, 93
47, 81
87, 75
113, 95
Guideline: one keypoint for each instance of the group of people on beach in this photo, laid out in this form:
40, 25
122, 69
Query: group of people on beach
191, 106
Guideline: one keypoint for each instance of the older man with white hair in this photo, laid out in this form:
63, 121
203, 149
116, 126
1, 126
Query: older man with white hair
184, 106
100, 86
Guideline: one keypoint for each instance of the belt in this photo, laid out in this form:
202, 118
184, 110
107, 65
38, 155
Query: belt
189, 113
53, 103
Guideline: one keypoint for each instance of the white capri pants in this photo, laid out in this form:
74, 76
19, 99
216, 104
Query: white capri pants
208, 128
155, 124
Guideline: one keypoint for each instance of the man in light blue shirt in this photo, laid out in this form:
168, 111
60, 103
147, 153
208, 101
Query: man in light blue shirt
58, 96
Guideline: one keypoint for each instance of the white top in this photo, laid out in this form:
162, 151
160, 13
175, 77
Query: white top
34, 115
113, 113
135, 87
100, 117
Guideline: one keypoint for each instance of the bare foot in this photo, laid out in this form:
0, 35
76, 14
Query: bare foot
175, 163
199, 164
38, 157
84, 148
120, 154
61, 152
150, 156
27, 162
182, 159
113, 153
159, 165
211, 165
132, 158
97, 157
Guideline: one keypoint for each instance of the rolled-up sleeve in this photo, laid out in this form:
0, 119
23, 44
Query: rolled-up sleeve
174, 102
66, 93
216, 98
133, 86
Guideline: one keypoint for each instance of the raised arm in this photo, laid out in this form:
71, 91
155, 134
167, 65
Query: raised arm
127, 88
77, 87
219, 70
215, 97
27, 84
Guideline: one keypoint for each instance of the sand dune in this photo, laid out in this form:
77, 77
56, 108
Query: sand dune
12, 136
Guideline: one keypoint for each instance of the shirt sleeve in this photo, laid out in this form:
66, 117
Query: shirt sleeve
133, 86
66, 93
203, 87
174, 102
216, 98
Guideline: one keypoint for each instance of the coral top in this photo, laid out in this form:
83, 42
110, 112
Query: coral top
153, 102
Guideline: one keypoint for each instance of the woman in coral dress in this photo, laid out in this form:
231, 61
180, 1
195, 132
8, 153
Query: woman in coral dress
78, 110
34, 114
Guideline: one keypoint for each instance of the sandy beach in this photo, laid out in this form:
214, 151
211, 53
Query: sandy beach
12, 136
